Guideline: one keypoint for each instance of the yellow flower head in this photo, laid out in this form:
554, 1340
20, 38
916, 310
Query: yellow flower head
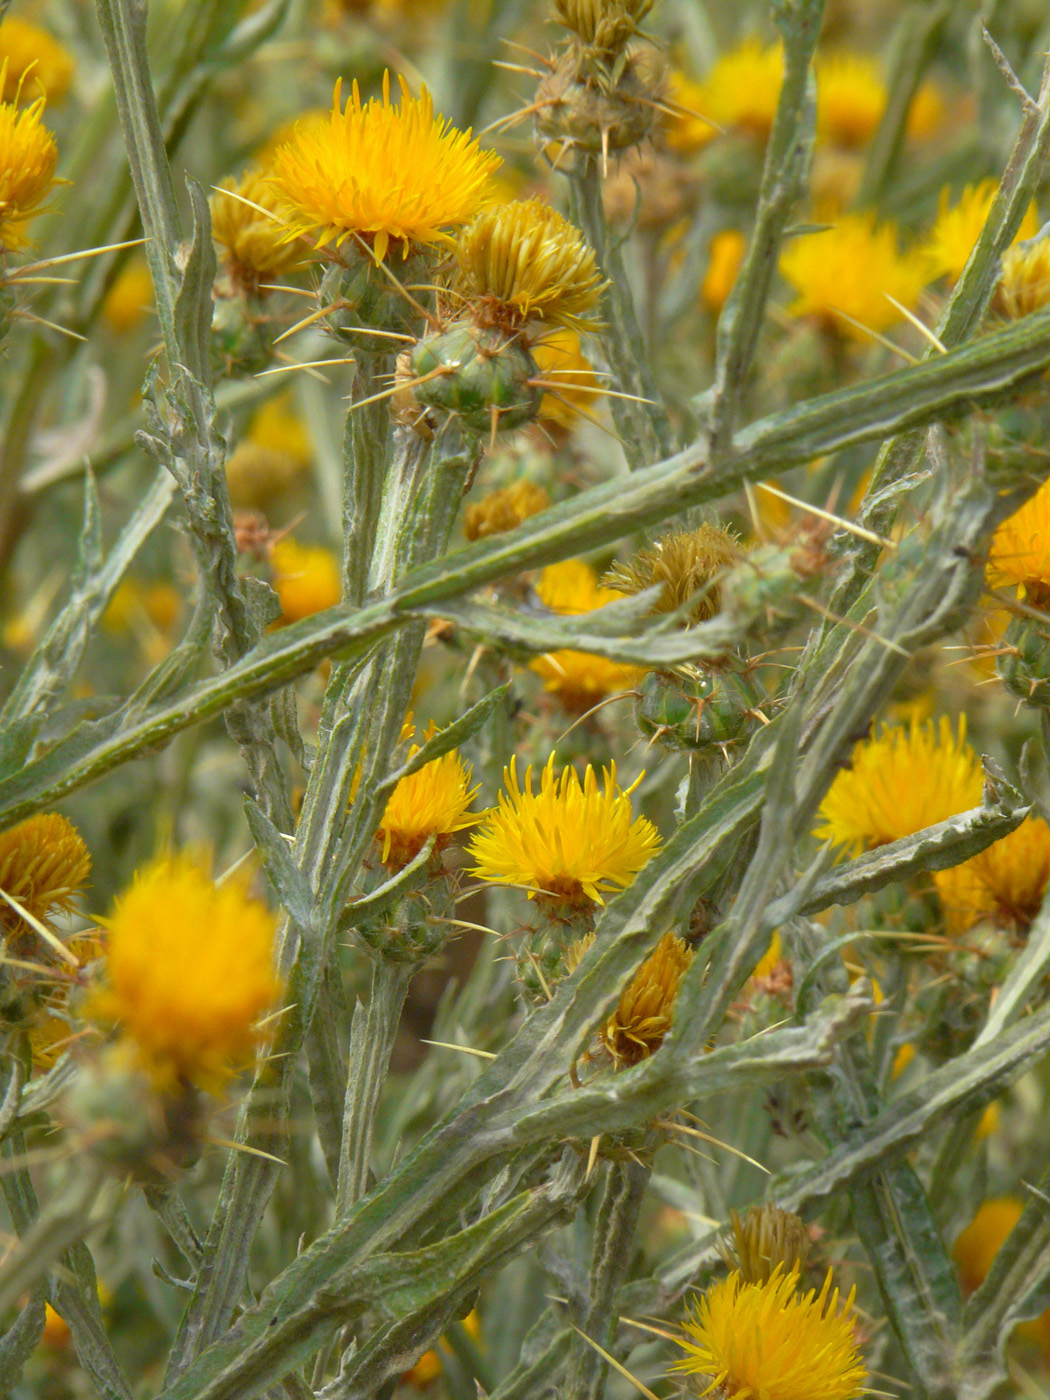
900, 781
742, 90
852, 269
1020, 552
522, 262
950, 242
578, 678
577, 389
975, 1249
571, 587
851, 98
686, 564
504, 510
1005, 882
130, 297
306, 578
637, 1027
37, 65
431, 802
28, 156
189, 971
254, 243
687, 127
568, 842
724, 260
43, 865
1024, 284
767, 1341
381, 172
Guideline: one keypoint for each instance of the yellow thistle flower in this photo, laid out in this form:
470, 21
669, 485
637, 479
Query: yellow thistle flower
384, 173
28, 155
950, 242
561, 362
43, 865
316, 119
129, 298
1005, 882
1020, 552
255, 244
637, 1027
306, 578
37, 64
1024, 284
851, 98
878, 799
771, 958
432, 802
767, 1341
725, 258
524, 262
504, 510
569, 842
685, 564
742, 90
188, 972
578, 678
687, 128
853, 269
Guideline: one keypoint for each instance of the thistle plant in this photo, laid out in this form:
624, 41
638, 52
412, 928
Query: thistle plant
524, 828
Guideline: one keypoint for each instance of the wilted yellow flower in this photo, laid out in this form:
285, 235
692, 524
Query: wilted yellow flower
853, 269
381, 172
1020, 552
900, 781
130, 296
637, 1027
724, 260
767, 1341
306, 578
950, 242
687, 564
568, 842
764, 1240
28, 156
522, 262
741, 91
1004, 882
189, 970
37, 64
561, 363
431, 802
504, 510
851, 98
43, 865
254, 241
1024, 283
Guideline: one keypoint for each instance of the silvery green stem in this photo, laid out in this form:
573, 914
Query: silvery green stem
614, 1230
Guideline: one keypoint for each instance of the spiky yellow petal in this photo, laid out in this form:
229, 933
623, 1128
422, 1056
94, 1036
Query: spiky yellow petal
28, 156
1020, 552
1005, 882
851, 98
430, 802
43, 865
950, 242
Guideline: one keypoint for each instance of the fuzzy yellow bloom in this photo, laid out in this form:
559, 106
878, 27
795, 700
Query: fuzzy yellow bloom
522, 262
384, 173
739, 93
569, 842
1024, 285
578, 678
43, 866
562, 364
851, 98
767, 1341
188, 973
724, 260
37, 64
1005, 882
306, 578
950, 242
130, 297
637, 1027
900, 781
255, 248
1020, 552
430, 802
687, 129
28, 155
504, 510
851, 270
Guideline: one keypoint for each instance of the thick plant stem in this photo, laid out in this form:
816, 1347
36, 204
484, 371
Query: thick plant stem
644, 427
372, 1035
610, 1263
